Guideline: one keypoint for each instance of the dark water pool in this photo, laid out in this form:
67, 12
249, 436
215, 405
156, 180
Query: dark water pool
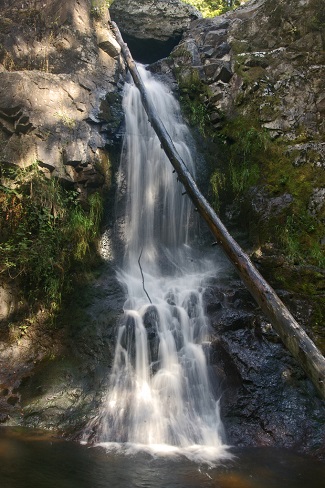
32, 459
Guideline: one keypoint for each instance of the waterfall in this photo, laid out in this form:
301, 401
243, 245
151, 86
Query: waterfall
159, 395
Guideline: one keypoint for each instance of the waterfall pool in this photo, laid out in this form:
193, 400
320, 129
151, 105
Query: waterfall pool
35, 459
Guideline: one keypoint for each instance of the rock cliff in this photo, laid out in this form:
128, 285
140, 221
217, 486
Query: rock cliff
59, 96
253, 81
266, 61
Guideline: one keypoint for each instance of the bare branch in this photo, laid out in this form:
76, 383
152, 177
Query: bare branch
143, 277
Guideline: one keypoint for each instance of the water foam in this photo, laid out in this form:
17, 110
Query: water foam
159, 397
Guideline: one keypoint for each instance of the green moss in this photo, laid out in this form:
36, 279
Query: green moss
250, 75
181, 52
240, 46
247, 147
317, 20
218, 183
252, 158
307, 283
194, 94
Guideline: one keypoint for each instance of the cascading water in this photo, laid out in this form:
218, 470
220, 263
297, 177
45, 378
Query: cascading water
159, 394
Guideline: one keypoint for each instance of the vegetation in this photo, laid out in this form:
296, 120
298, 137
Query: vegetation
98, 7
212, 8
252, 158
45, 233
248, 157
193, 94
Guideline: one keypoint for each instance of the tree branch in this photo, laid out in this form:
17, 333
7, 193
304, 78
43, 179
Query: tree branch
143, 277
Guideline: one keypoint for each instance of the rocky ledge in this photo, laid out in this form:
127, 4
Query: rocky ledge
59, 93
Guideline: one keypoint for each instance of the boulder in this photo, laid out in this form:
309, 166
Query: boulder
151, 19
266, 398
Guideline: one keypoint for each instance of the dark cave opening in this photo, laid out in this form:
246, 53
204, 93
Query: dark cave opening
149, 51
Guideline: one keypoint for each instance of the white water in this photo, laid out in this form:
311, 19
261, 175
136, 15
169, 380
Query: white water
159, 394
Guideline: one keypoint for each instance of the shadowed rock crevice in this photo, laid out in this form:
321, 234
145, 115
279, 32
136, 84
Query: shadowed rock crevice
148, 51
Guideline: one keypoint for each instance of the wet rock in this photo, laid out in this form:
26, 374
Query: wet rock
266, 399
151, 323
213, 300
191, 305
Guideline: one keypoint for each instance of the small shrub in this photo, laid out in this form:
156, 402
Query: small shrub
45, 233
212, 8
218, 183
98, 8
193, 96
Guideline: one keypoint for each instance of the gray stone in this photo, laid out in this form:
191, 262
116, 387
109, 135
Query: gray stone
108, 43
271, 65
8, 302
52, 97
317, 201
225, 74
216, 37
159, 20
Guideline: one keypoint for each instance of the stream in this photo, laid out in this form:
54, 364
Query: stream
33, 459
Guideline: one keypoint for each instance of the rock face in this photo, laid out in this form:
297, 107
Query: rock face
153, 19
59, 91
265, 56
60, 106
266, 398
264, 60
262, 66
152, 28
55, 378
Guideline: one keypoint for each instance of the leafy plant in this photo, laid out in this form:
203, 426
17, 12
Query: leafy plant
212, 8
98, 7
193, 96
45, 232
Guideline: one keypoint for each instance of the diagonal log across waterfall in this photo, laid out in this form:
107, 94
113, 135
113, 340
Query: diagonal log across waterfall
292, 335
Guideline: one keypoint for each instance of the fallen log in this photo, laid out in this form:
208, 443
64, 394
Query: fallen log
290, 332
